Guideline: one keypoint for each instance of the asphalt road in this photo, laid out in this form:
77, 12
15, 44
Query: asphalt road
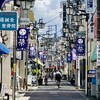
51, 92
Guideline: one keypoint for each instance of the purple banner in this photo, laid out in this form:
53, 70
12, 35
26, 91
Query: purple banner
80, 46
32, 52
22, 39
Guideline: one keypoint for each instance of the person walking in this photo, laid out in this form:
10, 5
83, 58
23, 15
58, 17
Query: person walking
58, 77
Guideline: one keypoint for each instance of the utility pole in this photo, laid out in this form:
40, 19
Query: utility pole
14, 59
14, 66
37, 56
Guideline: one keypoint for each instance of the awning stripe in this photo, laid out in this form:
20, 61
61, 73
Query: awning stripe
4, 49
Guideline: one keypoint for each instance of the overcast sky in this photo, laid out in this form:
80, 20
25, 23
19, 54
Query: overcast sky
48, 10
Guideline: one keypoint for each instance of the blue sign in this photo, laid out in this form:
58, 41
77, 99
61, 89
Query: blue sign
94, 80
8, 21
91, 71
22, 39
32, 52
80, 46
89, 6
69, 57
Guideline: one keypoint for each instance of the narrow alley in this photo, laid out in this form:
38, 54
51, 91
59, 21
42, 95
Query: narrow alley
51, 92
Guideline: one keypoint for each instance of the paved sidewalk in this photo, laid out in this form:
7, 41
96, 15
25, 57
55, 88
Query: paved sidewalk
19, 94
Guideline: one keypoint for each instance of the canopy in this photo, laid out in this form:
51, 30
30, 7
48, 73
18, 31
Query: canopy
37, 60
94, 54
4, 49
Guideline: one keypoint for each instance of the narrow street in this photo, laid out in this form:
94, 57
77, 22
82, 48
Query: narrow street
51, 92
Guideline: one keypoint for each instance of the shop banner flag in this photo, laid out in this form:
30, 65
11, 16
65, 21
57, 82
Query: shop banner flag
80, 46
22, 39
32, 52
40, 55
44, 59
69, 57
74, 57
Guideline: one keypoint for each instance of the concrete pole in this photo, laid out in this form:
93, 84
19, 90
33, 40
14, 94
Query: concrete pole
86, 67
14, 66
37, 57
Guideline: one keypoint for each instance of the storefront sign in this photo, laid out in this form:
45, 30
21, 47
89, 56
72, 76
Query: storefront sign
8, 21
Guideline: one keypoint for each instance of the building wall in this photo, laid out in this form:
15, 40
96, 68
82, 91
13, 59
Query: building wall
6, 70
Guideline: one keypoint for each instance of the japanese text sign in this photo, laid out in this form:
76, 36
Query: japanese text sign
8, 21
69, 57
80, 46
22, 39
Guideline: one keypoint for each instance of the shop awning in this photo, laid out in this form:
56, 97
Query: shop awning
94, 54
37, 60
4, 49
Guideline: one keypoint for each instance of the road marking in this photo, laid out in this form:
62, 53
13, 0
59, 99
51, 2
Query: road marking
53, 92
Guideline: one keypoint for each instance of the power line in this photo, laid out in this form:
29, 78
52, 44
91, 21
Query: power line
52, 20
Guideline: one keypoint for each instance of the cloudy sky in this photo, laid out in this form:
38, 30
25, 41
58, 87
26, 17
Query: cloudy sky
50, 11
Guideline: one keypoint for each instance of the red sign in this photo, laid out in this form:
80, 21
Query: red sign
95, 25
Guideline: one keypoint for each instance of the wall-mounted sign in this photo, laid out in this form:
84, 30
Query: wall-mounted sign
89, 6
8, 21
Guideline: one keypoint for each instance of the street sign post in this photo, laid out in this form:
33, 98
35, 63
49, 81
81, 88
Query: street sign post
8, 21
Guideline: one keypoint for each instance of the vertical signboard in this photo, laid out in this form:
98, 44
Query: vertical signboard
91, 26
80, 46
98, 53
89, 6
95, 25
22, 39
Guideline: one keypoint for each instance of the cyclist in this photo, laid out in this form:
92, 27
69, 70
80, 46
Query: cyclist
58, 78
